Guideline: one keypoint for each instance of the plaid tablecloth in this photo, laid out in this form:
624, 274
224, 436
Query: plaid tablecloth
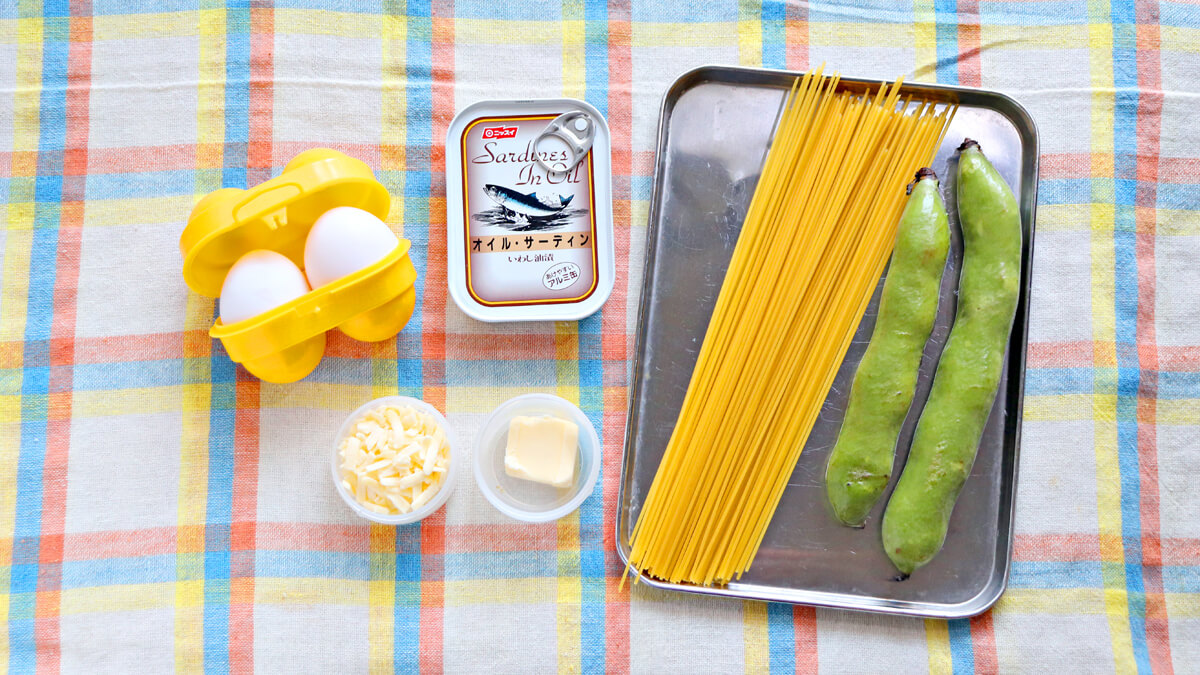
160, 508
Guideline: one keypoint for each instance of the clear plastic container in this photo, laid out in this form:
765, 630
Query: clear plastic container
526, 500
456, 461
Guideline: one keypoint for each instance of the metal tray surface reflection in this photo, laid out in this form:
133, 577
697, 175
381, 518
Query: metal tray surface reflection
715, 126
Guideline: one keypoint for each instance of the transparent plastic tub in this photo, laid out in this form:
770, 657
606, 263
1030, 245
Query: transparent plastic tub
526, 500
456, 462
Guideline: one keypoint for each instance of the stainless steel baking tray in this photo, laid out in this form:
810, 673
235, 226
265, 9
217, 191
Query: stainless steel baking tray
715, 126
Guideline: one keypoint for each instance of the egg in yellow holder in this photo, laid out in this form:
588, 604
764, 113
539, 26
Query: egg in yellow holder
286, 343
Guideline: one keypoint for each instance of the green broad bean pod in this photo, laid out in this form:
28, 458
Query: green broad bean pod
968, 374
860, 464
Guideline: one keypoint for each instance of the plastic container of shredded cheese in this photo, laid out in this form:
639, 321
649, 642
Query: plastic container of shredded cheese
435, 502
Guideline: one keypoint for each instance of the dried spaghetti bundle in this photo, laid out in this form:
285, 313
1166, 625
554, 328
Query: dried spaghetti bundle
816, 238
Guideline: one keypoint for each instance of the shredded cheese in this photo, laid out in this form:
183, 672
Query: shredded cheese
394, 460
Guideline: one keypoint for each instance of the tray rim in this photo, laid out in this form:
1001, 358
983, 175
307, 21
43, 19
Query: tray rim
1027, 130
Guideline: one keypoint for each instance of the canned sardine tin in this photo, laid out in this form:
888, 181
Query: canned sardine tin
529, 210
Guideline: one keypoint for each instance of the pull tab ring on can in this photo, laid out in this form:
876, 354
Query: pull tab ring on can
574, 128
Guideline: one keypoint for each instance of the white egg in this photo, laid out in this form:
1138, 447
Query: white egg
259, 282
343, 241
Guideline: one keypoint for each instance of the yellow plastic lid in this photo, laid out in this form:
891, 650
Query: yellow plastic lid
276, 215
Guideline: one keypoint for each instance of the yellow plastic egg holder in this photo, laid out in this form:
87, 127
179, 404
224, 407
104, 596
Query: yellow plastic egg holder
286, 343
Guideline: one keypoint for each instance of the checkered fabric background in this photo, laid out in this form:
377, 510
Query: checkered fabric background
159, 508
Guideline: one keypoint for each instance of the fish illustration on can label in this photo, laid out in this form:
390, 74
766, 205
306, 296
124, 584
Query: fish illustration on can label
524, 225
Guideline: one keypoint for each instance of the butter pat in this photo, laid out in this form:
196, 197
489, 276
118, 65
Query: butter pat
542, 449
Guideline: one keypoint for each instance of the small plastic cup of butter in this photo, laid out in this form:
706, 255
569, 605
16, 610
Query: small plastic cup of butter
390, 463
525, 490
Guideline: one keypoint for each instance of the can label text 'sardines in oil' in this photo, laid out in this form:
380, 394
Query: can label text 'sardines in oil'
530, 234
